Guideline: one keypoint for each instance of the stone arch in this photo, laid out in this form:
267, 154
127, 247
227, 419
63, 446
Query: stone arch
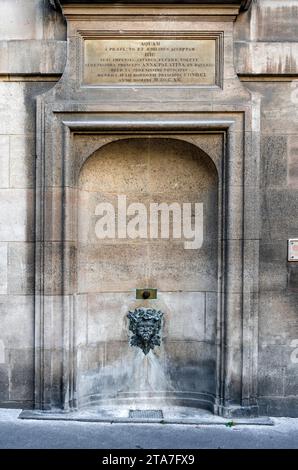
148, 169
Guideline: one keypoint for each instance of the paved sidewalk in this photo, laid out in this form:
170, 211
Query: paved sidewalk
30, 434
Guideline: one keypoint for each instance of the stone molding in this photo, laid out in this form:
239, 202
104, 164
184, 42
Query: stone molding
242, 5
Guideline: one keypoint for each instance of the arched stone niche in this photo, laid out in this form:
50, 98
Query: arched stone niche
69, 353
182, 370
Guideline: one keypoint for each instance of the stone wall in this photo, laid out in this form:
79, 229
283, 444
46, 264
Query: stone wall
32, 59
32, 55
266, 52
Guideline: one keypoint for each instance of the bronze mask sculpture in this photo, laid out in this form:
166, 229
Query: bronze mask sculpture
145, 324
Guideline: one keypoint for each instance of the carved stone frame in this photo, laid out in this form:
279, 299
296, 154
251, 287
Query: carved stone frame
55, 283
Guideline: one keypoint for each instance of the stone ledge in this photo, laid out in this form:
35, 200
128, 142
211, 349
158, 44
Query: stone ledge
30, 77
243, 4
174, 415
266, 58
32, 57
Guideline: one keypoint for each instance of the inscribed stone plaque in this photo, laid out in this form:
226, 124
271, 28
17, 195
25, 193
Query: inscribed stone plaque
131, 61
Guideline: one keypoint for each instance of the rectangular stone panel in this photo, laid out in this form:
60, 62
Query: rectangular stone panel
150, 61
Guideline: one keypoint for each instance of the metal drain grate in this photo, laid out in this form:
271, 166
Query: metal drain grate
145, 414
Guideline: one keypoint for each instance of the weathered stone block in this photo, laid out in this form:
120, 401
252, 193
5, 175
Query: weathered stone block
54, 25
81, 309
21, 378
22, 161
174, 268
4, 382
191, 366
60, 279
278, 110
273, 161
211, 316
276, 20
17, 310
277, 317
4, 161
293, 157
3, 56
23, 20
17, 113
34, 57
273, 269
186, 315
3, 268
266, 57
278, 406
21, 268
270, 382
291, 380
60, 223
107, 317
279, 214
292, 277
24, 56
16, 215
118, 268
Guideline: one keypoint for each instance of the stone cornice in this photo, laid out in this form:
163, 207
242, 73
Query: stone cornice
243, 5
